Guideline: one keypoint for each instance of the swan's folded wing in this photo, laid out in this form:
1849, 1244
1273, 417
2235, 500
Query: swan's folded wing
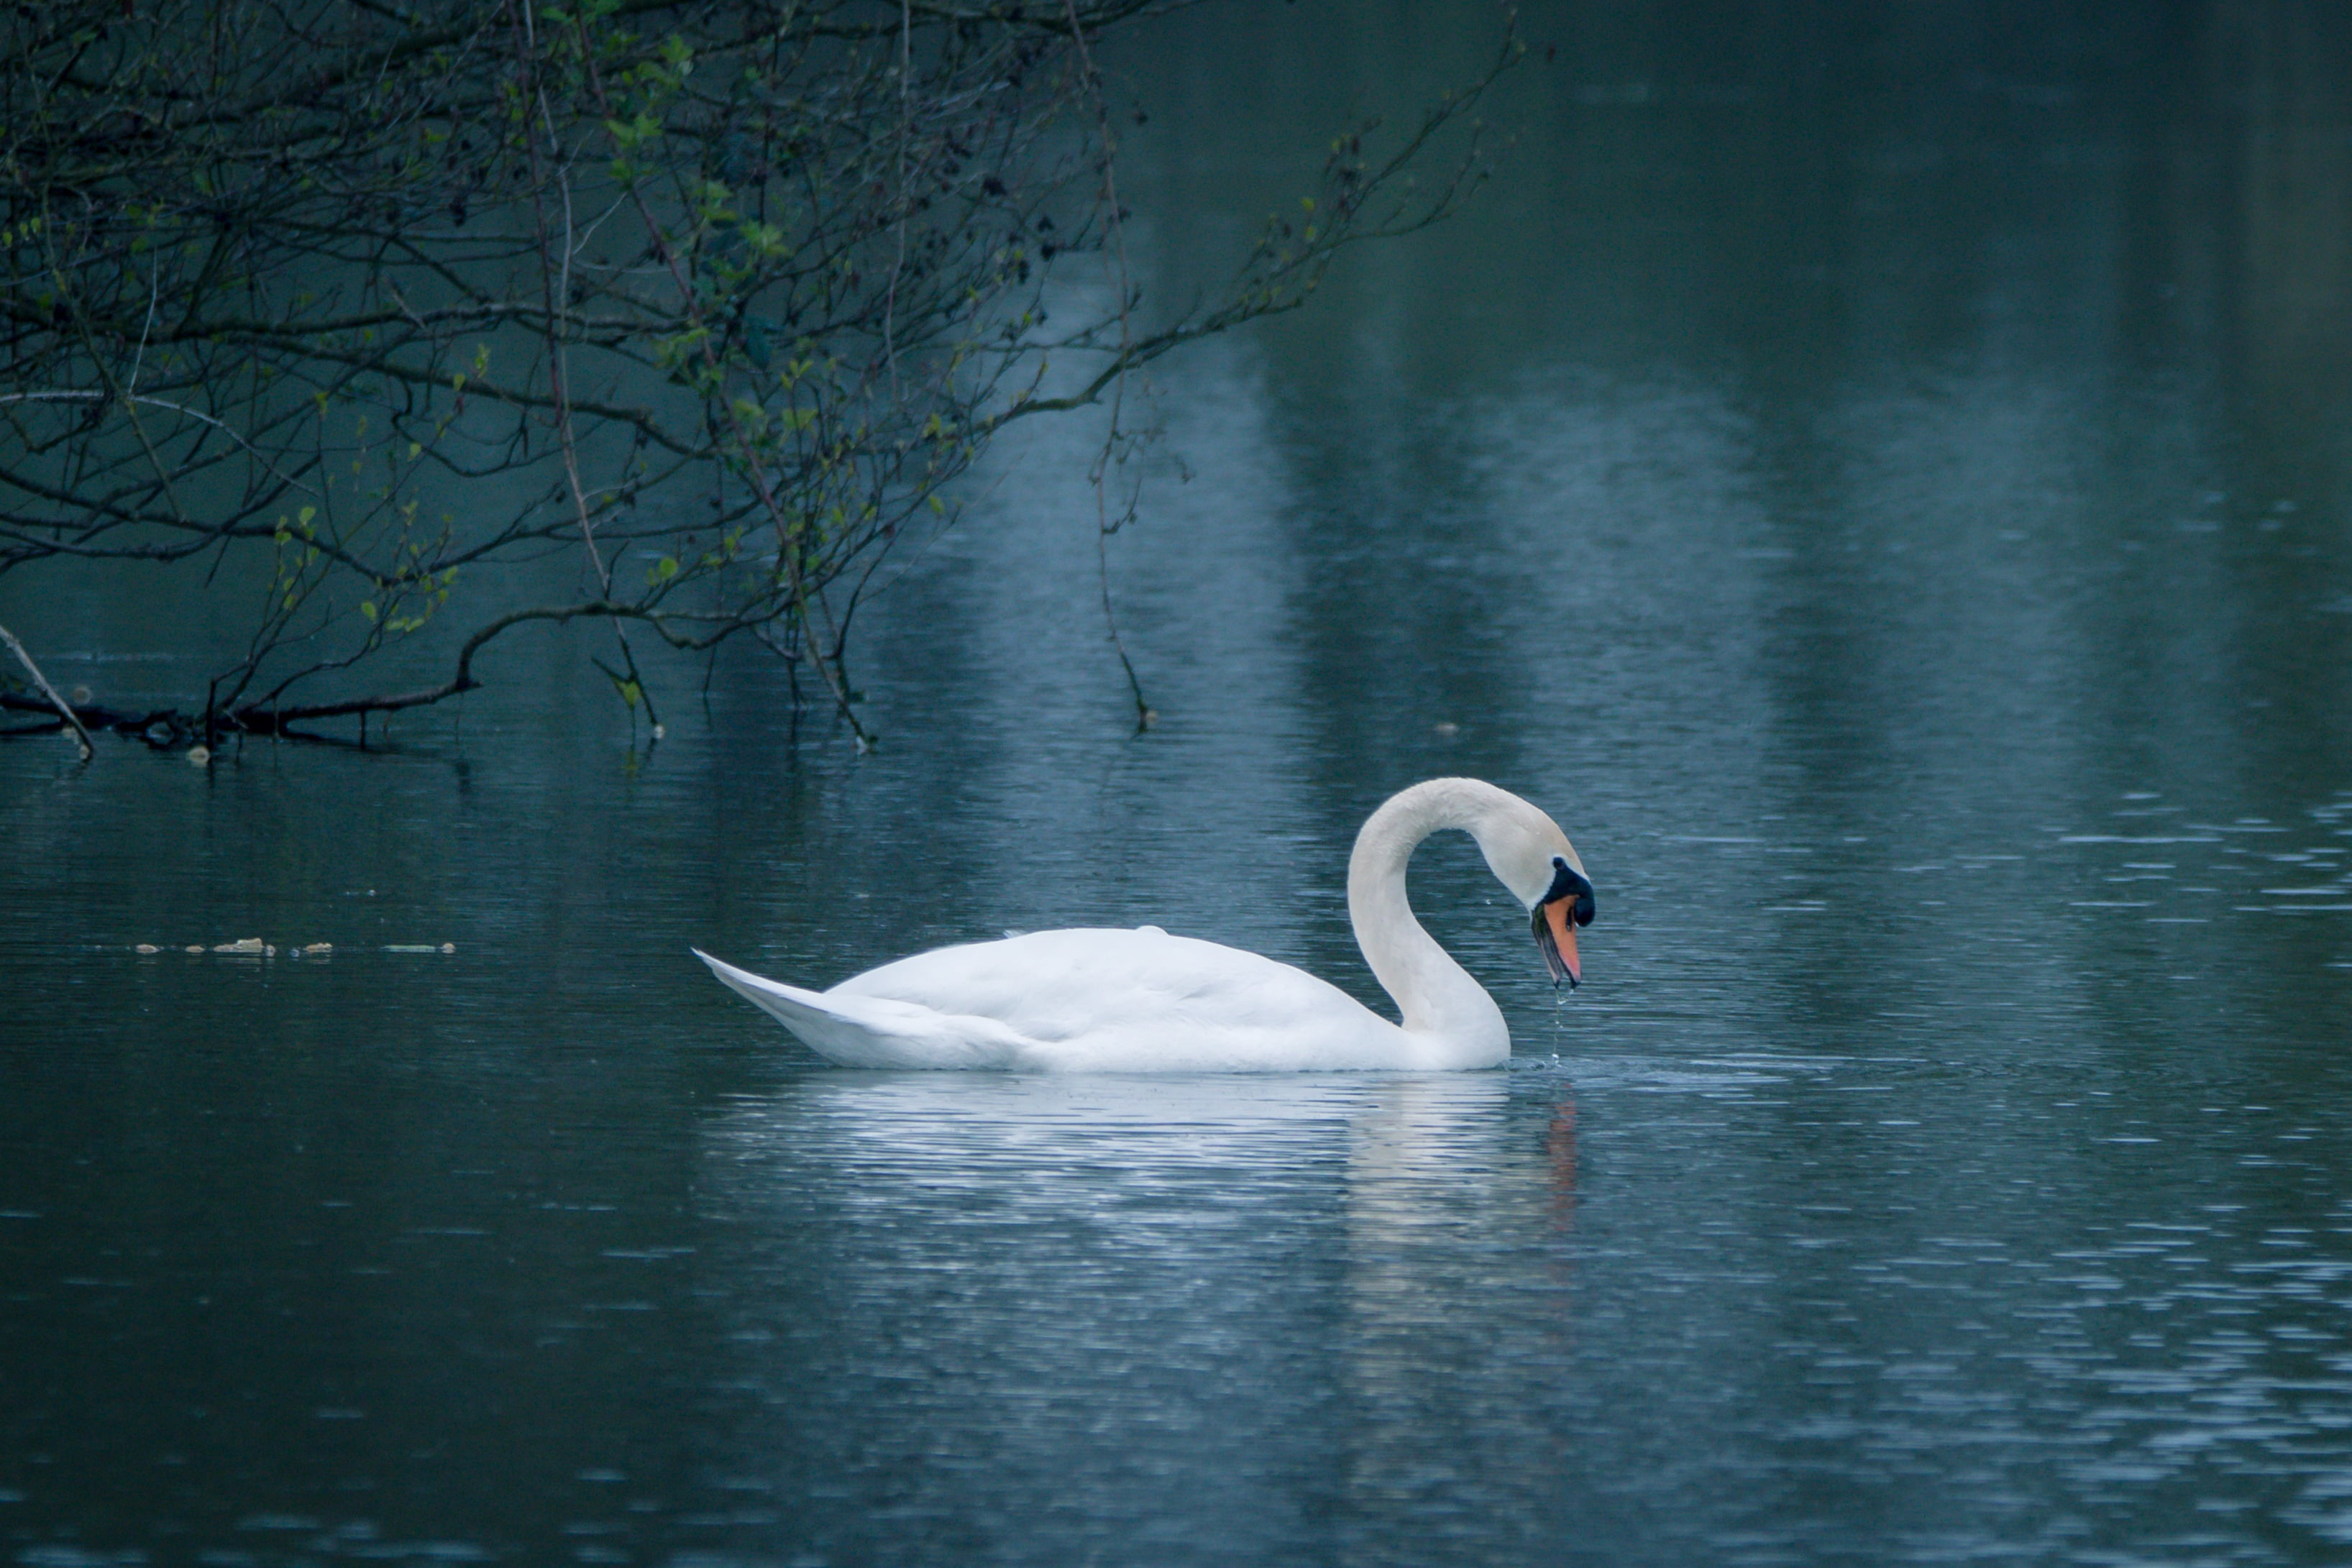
1095, 1000
874, 1032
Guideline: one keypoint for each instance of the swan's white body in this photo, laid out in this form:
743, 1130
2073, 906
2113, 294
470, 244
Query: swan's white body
1092, 1000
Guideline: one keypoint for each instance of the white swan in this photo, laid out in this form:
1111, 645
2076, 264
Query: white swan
1096, 1000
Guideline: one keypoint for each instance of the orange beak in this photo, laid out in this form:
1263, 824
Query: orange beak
1563, 938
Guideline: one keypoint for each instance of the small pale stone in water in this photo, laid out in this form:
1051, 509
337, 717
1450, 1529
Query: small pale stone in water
200, 755
320, 947
448, 946
193, 947
149, 947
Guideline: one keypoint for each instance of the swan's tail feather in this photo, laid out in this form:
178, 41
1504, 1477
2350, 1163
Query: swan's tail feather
802, 1012
862, 1031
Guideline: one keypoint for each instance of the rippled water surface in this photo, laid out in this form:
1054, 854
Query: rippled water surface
1881, 485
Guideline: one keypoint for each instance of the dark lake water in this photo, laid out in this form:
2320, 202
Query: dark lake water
1878, 477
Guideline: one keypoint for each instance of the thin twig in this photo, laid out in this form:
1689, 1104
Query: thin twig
1145, 714
558, 292
898, 262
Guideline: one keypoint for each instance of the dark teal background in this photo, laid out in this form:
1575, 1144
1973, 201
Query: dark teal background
1876, 474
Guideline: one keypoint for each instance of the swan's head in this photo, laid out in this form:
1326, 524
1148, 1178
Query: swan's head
1529, 854
1566, 905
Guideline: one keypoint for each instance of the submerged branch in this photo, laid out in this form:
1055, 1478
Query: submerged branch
64, 709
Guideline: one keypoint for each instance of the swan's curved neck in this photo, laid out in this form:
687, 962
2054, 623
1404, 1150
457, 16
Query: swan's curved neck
1435, 995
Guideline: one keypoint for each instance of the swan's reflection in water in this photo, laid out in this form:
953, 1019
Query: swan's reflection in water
1179, 1312
1560, 1148
1444, 1204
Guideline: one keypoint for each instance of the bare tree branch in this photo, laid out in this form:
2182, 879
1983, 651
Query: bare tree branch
351, 308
